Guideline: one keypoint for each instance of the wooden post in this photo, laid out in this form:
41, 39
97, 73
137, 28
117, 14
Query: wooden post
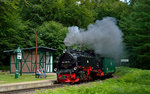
80, 47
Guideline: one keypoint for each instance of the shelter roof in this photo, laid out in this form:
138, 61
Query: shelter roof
32, 48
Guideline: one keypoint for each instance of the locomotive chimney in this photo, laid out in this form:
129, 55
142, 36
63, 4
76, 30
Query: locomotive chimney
68, 48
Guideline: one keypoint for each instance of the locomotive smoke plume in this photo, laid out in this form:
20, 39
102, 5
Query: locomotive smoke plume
104, 37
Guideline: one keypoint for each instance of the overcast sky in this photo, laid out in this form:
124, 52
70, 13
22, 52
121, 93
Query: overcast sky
124, 0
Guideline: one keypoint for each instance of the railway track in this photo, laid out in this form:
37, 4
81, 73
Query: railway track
33, 90
56, 85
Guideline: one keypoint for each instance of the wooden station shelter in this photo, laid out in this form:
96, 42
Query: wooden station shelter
44, 59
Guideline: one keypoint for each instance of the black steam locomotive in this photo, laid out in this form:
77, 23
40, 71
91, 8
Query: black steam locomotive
76, 66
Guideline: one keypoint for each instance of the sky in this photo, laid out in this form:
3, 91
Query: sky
125, 0
120, 0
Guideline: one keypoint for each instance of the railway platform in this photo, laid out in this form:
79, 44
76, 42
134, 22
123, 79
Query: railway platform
26, 85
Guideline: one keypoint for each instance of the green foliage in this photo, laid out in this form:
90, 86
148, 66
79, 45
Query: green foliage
11, 27
5, 67
66, 12
113, 8
129, 81
52, 35
135, 25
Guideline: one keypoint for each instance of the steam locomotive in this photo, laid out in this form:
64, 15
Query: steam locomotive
78, 66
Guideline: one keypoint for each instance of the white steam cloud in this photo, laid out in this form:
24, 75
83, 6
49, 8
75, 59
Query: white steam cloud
104, 37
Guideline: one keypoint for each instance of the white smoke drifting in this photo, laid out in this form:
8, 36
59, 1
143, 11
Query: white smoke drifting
104, 37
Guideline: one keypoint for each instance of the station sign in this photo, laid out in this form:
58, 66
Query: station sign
124, 60
19, 53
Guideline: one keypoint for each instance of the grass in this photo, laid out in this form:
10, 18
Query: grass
128, 81
6, 78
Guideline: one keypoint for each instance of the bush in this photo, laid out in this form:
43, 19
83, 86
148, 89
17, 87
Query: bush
4, 67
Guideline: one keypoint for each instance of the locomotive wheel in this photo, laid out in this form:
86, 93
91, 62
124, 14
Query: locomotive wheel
79, 80
82, 75
91, 78
71, 83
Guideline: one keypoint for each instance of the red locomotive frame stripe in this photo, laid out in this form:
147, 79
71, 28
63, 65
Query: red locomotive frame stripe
89, 69
72, 77
67, 78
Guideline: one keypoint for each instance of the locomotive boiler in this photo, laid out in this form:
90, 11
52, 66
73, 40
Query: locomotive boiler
76, 66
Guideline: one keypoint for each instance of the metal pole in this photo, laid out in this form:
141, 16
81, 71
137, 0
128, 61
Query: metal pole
21, 67
36, 56
16, 74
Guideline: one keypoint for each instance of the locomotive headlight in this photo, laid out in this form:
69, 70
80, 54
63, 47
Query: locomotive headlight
75, 68
55, 69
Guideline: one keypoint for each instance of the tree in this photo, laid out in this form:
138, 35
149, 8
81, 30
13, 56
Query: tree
52, 35
113, 8
66, 12
11, 28
135, 25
